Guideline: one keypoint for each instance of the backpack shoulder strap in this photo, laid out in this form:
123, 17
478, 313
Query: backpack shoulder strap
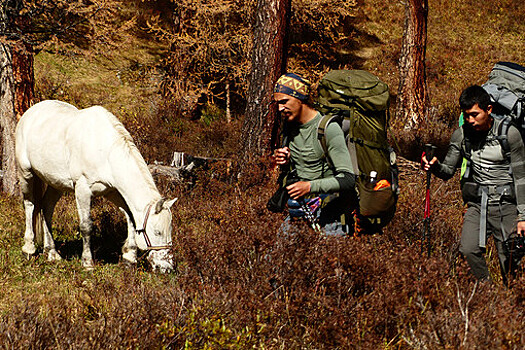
466, 145
345, 126
321, 131
503, 136
466, 150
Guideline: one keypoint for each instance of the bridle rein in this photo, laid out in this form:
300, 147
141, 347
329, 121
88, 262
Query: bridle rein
146, 237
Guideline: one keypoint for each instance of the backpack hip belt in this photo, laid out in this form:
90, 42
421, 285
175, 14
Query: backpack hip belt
484, 192
472, 192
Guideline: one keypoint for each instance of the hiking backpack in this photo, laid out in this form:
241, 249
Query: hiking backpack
359, 101
506, 87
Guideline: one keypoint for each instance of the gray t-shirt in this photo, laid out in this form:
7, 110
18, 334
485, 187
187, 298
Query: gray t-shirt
490, 166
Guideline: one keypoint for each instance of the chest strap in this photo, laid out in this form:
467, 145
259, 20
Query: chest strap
501, 136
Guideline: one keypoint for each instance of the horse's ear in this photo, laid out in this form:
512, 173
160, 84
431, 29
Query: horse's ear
168, 204
159, 205
164, 204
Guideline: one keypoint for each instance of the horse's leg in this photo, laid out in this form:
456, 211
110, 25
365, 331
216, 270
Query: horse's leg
26, 185
49, 201
129, 249
83, 198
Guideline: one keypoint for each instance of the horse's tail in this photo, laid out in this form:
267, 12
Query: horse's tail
39, 188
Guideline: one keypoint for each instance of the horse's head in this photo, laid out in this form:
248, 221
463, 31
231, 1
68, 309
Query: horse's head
156, 235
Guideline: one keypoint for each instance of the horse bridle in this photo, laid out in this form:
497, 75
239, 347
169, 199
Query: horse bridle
146, 237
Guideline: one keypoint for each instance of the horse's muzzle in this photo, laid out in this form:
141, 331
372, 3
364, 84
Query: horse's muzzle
161, 260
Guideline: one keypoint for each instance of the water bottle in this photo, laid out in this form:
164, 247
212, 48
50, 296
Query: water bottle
373, 179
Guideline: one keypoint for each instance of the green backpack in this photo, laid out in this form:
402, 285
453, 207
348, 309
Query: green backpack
359, 102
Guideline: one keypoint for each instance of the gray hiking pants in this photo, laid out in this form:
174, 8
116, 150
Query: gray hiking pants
501, 224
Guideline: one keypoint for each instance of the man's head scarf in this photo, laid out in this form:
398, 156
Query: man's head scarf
293, 85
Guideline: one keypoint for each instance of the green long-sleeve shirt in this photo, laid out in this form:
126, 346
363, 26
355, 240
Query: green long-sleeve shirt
309, 160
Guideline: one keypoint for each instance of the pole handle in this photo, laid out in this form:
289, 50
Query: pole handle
429, 151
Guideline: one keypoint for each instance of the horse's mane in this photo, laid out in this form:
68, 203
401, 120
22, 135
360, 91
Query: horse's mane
125, 142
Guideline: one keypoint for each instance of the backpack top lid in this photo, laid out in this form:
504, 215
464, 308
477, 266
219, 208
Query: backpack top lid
506, 85
509, 75
341, 89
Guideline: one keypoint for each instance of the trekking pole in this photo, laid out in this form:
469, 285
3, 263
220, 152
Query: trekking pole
310, 217
429, 154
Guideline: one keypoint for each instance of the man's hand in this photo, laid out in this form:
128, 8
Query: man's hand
298, 189
425, 164
521, 228
282, 156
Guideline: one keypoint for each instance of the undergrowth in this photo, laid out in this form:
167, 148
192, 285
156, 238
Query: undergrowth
238, 284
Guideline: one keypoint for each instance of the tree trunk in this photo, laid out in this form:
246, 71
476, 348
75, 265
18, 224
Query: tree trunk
16, 90
7, 120
16, 94
268, 63
24, 76
412, 100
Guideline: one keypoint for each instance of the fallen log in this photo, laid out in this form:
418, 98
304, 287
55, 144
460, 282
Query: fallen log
172, 173
182, 165
184, 160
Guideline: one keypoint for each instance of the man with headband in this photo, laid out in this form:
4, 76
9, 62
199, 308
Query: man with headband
315, 177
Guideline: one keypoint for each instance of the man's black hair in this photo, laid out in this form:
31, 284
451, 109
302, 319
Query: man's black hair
472, 95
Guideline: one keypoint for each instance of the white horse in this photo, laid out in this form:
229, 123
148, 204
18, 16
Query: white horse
89, 152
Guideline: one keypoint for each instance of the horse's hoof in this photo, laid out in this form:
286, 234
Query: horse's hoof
88, 265
29, 249
53, 255
129, 258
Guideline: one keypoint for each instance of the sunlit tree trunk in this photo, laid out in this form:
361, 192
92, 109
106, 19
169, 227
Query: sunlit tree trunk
7, 120
412, 101
268, 63
16, 95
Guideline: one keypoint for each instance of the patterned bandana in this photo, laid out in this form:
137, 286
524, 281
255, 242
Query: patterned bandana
293, 85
